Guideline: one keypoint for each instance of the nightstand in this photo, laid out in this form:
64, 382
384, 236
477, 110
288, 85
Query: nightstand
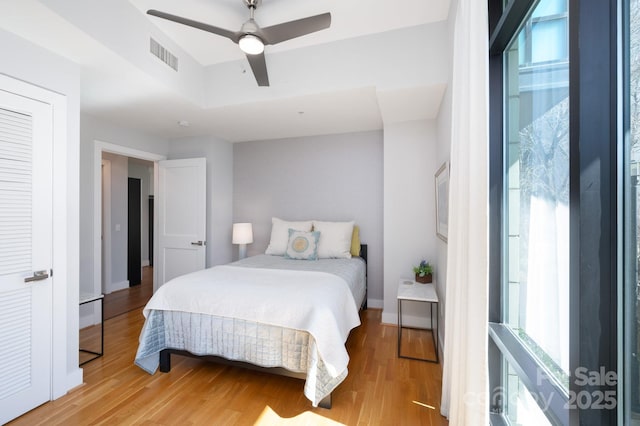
89, 298
410, 290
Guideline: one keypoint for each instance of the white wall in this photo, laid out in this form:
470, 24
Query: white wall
333, 177
410, 164
443, 153
219, 155
24, 61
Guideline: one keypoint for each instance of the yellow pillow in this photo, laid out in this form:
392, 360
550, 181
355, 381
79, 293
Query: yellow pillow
355, 241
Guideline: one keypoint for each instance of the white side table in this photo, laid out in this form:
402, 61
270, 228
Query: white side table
410, 290
88, 298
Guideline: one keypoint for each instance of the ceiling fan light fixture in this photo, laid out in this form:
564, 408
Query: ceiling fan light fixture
251, 45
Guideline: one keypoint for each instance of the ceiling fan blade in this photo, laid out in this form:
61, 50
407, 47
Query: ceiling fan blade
231, 35
292, 29
259, 68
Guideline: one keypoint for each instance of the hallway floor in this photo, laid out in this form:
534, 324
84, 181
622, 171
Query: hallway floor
122, 301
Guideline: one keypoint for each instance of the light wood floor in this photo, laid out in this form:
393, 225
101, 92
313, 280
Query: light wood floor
128, 299
380, 389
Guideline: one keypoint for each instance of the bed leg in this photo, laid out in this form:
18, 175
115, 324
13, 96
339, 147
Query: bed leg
165, 361
326, 402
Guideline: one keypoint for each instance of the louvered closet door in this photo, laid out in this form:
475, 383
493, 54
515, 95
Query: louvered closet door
25, 250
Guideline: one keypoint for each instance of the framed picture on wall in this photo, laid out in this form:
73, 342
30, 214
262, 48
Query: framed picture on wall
442, 201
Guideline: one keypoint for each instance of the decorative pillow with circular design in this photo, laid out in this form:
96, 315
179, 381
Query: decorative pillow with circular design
302, 245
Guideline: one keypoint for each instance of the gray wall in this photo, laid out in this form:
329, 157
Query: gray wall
333, 178
219, 155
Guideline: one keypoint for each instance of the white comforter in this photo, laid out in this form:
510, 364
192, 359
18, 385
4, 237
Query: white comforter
317, 302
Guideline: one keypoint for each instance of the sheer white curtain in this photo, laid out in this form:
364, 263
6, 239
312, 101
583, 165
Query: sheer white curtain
465, 381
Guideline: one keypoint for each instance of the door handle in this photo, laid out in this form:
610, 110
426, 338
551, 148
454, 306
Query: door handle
37, 276
197, 243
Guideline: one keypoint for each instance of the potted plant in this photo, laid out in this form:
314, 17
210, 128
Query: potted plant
424, 272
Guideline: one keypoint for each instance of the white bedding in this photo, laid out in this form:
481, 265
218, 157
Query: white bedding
353, 270
317, 302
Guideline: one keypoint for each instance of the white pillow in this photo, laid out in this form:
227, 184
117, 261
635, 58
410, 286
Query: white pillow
335, 239
302, 245
280, 234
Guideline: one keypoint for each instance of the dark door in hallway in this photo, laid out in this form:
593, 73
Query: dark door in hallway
134, 250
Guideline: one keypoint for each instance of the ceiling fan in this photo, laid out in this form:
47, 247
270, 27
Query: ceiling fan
252, 39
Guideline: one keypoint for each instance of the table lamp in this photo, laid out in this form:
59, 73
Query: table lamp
242, 235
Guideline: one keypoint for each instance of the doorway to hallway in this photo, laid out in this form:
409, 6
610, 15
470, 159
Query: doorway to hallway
128, 299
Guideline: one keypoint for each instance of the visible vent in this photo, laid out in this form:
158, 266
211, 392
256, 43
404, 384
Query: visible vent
163, 54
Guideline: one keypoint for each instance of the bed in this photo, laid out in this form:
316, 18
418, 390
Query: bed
276, 314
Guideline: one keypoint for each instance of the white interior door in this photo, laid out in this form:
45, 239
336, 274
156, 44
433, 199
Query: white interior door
26, 135
181, 217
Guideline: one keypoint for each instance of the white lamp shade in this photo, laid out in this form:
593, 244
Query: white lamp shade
251, 44
242, 233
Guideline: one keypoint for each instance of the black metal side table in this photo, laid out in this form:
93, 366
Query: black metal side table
89, 298
410, 290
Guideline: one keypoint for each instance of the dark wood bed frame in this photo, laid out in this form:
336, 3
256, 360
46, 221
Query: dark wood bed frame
165, 354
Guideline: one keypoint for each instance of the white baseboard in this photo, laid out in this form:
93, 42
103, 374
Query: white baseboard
391, 318
375, 303
145, 263
74, 379
90, 318
89, 314
117, 286
86, 321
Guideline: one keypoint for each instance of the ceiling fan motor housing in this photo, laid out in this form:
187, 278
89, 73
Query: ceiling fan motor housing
250, 27
252, 3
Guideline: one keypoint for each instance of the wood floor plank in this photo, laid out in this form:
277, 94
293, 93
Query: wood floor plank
128, 299
381, 389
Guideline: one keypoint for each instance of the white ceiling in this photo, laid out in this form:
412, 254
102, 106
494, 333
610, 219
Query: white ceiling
349, 19
380, 61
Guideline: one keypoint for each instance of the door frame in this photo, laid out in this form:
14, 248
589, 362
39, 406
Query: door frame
99, 148
105, 224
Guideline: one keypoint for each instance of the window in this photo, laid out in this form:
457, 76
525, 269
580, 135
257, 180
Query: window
631, 340
537, 201
521, 406
554, 212
544, 37
535, 278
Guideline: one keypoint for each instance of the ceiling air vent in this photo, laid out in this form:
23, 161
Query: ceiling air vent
163, 54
